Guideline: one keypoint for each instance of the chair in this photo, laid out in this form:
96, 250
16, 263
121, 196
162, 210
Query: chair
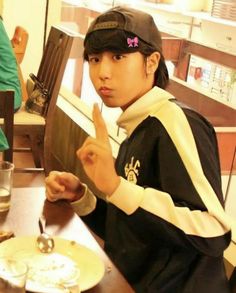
19, 42
6, 114
50, 73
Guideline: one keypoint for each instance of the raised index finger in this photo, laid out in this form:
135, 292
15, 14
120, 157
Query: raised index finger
99, 124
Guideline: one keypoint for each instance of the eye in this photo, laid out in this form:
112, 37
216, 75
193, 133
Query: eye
118, 57
93, 59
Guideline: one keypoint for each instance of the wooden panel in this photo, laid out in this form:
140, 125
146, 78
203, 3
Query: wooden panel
63, 155
171, 48
226, 144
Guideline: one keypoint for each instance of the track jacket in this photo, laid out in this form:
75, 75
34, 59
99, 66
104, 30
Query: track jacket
164, 226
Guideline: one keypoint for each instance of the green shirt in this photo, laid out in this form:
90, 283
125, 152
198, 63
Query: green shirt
9, 79
3, 141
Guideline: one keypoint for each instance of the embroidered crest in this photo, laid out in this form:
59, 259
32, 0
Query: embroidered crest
131, 170
132, 42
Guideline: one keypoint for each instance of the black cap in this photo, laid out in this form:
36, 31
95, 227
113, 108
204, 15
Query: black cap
130, 20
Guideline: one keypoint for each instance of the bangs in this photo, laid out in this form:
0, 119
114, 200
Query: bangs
113, 40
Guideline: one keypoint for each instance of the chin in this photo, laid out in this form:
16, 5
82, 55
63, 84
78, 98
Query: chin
111, 104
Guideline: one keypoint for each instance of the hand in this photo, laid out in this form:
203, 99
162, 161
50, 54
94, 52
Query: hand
63, 185
96, 157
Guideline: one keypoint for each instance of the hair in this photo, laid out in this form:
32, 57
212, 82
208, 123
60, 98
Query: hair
115, 40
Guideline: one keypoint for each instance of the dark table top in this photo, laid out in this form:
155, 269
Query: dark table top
27, 204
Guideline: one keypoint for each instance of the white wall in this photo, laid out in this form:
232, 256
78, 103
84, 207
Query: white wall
1, 6
31, 15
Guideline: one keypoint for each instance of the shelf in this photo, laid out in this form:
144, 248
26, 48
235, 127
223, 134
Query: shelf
194, 14
202, 92
207, 16
218, 112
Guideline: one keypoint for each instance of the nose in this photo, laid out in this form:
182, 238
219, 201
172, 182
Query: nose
105, 68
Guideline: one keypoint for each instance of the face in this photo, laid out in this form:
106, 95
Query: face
119, 79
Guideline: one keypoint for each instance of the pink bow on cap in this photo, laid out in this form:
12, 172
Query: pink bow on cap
132, 42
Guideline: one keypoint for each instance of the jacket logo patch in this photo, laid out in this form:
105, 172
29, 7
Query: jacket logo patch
131, 170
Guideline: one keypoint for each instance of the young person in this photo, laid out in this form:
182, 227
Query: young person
9, 79
163, 222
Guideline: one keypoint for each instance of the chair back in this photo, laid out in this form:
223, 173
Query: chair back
50, 73
19, 42
7, 113
53, 62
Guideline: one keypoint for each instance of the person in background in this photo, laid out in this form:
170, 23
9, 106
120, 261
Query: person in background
9, 78
163, 221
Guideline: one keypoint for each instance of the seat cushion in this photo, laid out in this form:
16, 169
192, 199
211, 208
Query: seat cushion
22, 117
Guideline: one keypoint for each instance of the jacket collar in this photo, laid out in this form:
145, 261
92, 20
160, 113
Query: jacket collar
142, 108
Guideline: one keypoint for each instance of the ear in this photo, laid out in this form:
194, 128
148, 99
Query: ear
152, 62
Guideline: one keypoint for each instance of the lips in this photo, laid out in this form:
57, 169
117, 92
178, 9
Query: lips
105, 91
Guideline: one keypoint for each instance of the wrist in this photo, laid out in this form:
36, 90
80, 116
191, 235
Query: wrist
114, 186
80, 191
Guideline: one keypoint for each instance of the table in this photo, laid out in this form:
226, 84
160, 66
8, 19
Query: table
27, 204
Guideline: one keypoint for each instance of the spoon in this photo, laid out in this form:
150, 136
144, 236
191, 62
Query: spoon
45, 242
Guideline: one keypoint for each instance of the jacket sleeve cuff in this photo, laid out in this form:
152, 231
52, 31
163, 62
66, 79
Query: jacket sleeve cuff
127, 196
86, 204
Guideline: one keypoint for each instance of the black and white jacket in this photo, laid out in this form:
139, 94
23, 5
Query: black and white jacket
164, 226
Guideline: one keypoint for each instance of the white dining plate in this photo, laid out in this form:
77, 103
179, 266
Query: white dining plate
44, 269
